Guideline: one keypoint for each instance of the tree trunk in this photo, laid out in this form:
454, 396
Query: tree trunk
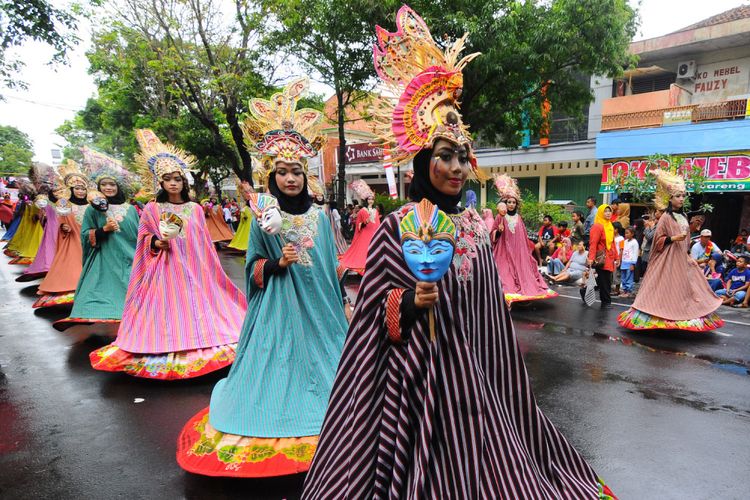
341, 177
239, 141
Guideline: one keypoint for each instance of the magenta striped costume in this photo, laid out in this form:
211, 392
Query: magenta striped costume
451, 419
179, 300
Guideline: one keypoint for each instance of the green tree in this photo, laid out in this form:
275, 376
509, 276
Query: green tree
15, 151
333, 39
206, 61
39, 20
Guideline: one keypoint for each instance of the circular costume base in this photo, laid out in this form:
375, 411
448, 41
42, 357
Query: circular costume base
10, 253
201, 449
54, 299
633, 319
22, 261
65, 323
165, 366
26, 277
510, 298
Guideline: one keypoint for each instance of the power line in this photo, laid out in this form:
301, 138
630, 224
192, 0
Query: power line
43, 104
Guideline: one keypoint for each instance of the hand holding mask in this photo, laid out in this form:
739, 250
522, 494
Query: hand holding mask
428, 239
170, 225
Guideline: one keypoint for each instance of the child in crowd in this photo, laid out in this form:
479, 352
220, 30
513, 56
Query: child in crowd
577, 234
619, 244
738, 281
628, 260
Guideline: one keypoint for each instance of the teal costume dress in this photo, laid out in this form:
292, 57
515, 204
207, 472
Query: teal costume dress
264, 418
100, 294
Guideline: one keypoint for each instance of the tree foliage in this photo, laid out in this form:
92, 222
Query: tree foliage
15, 151
39, 20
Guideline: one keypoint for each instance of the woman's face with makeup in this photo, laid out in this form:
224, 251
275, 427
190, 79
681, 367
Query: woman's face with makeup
449, 167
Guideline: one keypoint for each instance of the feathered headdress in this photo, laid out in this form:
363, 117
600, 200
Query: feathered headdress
428, 82
43, 177
314, 186
157, 159
101, 166
362, 190
276, 130
69, 174
426, 222
507, 187
667, 185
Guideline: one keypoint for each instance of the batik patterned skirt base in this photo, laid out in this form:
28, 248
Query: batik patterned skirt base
165, 366
63, 324
22, 261
517, 297
633, 319
201, 449
55, 299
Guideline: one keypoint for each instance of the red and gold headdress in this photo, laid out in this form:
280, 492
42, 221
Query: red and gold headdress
428, 83
276, 130
70, 174
667, 185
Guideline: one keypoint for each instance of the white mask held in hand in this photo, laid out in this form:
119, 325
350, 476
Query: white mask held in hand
170, 225
266, 210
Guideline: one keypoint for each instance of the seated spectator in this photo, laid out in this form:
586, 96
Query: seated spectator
577, 233
562, 229
576, 266
738, 246
559, 259
738, 282
547, 238
707, 254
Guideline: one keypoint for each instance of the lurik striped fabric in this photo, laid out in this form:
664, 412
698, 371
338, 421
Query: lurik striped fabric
674, 288
451, 419
179, 299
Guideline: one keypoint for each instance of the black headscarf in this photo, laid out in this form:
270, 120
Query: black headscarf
76, 200
421, 187
295, 205
117, 199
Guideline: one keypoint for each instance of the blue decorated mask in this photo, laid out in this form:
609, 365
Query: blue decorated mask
428, 238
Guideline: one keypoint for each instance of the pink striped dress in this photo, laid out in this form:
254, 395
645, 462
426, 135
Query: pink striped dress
182, 315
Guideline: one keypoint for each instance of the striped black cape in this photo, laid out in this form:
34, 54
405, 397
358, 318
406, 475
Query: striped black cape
451, 419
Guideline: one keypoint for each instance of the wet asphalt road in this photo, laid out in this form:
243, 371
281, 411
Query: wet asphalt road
657, 417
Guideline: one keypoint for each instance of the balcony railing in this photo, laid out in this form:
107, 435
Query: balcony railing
694, 113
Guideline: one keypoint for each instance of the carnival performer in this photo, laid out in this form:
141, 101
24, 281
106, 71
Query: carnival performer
674, 294
59, 285
15, 221
108, 241
241, 235
365, 225
274, 398
454, 417
217, 226
25, 242
7, 207
518, 269
338, 236
182, 314
44, 179
489, 219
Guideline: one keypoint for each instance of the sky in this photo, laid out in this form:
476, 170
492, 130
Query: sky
56, 93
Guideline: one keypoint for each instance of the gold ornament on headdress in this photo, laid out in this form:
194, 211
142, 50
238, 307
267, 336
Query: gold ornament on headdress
275, 130
667, 185
428, 84
157, 159
69, 174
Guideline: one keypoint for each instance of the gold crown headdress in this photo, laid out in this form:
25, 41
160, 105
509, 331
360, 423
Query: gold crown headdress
157, 159
667, 185
276, 130
428, 83
69, 174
